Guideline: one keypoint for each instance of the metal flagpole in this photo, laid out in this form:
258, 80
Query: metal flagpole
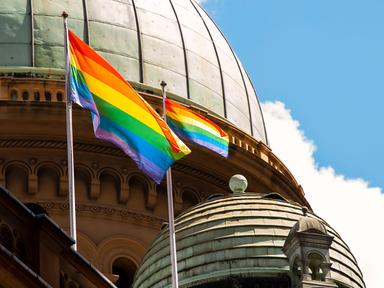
71, 174
172, 236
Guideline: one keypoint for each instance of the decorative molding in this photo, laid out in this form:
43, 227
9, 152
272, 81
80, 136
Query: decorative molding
200, 174
100, 149
32, 184
124, 215
59, 145
260, 152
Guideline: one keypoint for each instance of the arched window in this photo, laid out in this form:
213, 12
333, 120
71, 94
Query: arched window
14, 95
59, 96
16, 180
125, 269
48, 181
314, 263
138, 191
36, 96
6, 237
82, 182
189, 199
25, 95
48, 96
109, 186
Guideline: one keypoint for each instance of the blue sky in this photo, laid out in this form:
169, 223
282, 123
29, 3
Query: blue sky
325, 60
318, 68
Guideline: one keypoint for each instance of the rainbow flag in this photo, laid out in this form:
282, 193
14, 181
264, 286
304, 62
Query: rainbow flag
119, 114
196, 128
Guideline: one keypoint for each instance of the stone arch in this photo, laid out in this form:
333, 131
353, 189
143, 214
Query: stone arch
190, 198
52, 165
139, 176
25, 95
111, 183
48, 178
85, 168
87, 247
48, 95
119, 246
16, 177
36, 95
124, 270
14, 94
83, 181
315, 262
141, 192
21, 164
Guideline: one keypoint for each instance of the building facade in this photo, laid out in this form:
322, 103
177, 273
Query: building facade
120, 210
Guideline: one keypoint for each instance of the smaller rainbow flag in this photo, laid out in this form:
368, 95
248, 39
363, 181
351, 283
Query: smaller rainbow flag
196, 128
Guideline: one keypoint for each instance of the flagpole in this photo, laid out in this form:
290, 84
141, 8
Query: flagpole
172, 236
71, 174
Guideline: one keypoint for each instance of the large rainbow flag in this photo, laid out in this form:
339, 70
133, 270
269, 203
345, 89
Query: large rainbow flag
119, 114
196, 128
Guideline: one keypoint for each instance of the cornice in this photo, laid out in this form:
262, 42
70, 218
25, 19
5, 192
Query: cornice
101, 149
241, 141
60, 145
120, 214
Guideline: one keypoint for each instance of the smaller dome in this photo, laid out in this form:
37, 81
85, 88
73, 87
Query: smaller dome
309, 224
240, 237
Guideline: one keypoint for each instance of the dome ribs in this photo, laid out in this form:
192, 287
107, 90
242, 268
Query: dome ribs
217, 56
32, 35
184, 49
141, 61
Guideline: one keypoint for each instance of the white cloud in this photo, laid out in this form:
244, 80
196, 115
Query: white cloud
350, 206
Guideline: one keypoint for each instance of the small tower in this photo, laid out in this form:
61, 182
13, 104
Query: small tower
307, 248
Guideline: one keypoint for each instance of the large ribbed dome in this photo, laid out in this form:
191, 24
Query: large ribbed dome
238, 236
147, 40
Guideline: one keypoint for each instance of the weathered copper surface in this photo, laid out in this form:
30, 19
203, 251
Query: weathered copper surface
238, 236
146, 40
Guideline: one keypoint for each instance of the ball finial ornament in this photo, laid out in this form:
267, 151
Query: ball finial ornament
238, 183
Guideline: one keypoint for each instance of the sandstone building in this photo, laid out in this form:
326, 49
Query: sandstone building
227, 240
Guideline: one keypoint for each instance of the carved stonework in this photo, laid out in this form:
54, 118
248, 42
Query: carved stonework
123, 215
307, 248
124, 194
32, 189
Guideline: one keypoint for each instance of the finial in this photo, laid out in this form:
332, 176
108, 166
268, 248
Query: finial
305, 210
64, 14
238, 183
163, 84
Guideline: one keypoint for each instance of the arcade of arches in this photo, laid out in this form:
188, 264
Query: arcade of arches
103, 194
